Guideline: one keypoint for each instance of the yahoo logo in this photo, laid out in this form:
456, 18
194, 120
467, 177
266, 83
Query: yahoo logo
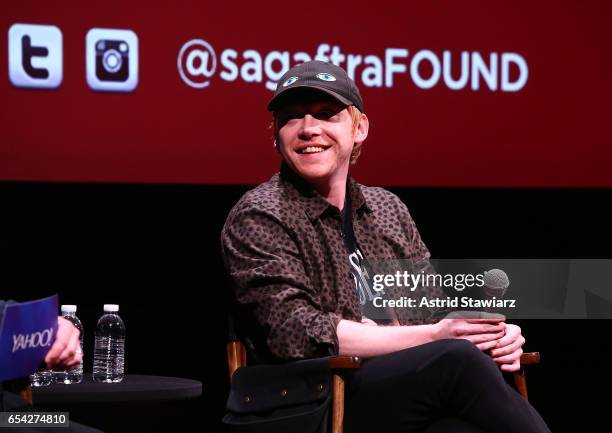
33, 340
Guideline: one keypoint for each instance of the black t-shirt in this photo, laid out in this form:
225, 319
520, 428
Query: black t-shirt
361, 269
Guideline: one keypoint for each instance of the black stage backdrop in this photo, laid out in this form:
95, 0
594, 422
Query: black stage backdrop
154, 249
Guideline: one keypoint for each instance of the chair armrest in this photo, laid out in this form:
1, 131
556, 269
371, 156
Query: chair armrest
530, 358
344, 362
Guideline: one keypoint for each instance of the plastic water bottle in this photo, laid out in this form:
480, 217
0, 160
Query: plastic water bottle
74, 375
42, 377
109, 354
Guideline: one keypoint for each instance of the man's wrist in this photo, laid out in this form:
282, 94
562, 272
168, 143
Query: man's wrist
416, 335
433, 331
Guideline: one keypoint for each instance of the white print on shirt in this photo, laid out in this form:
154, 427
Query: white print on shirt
361, 276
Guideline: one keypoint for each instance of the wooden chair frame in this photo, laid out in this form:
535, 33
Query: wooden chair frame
236, 358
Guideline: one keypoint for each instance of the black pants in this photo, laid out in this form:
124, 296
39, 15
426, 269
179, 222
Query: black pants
407, 391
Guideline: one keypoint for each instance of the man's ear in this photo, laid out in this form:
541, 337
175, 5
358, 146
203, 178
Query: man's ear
361, 132
276, 146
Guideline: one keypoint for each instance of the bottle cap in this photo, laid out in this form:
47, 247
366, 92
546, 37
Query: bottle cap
111, 308
69, 308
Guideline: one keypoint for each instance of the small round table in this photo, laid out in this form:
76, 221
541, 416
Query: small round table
134, 387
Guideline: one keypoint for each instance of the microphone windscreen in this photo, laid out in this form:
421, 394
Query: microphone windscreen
496, 282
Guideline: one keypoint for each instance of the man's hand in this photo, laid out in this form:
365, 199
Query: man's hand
483, 332
66, 350
508, 351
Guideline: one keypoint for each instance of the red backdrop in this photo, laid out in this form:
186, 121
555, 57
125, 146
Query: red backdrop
553, 131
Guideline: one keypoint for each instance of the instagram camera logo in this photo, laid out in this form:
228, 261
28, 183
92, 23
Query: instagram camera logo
35, 56
112, 60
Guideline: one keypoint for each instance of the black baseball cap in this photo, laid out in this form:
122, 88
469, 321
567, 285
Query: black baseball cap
322, 76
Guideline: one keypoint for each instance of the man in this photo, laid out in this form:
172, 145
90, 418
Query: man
297, 248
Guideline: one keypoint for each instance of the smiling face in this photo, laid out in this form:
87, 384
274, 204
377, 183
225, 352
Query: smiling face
316, 135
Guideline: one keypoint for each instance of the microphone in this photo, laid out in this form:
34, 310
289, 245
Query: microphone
496, 282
